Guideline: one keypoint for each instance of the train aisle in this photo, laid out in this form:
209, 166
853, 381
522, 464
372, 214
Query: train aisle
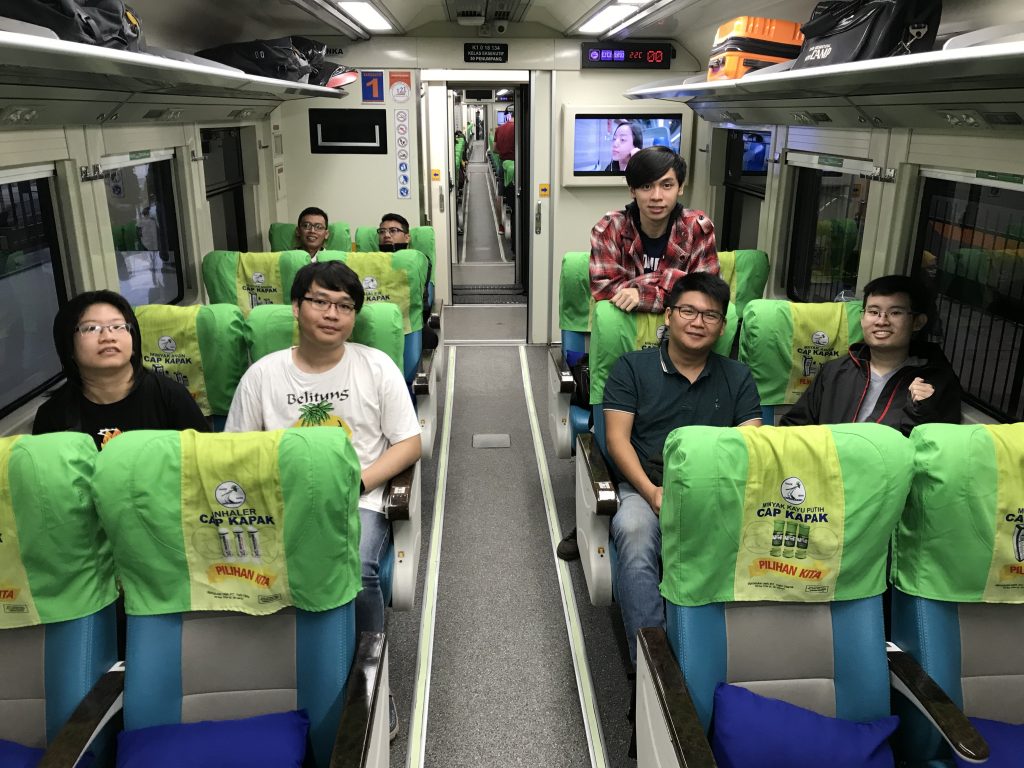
481, 215
502, 690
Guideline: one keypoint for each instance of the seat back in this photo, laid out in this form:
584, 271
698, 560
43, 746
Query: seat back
786, 343
282, 236
575, 302
746, 272
420, 239
958, 570
240, 541
202, 347
397, 278
766, 530
57, 589
508, 171
251, 279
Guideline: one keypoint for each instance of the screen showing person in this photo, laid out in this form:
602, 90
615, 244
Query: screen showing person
603, 144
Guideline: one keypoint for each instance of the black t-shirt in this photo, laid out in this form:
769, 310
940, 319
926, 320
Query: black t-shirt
654, 249
156, 403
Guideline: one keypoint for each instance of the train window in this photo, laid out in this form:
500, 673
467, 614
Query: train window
828, 227
225, 186
970, 247
140, 199
31, 289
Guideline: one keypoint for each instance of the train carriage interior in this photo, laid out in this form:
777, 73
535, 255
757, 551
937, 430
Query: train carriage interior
157, 160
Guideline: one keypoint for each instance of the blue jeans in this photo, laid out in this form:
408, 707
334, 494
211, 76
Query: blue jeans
637, 536
373, 544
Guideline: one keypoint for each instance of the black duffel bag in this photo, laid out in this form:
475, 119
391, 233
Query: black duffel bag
107, 23
278, 59
840, 31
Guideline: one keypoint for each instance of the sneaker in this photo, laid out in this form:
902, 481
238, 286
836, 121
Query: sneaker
567, 547
392, 718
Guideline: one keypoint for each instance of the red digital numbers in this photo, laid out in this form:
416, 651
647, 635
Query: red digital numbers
655, 57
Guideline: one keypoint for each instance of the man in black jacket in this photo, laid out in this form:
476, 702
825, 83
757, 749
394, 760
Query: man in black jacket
894, 377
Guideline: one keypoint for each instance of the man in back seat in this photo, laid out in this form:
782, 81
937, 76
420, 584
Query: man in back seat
895, 376
393, 235
637, 254
328, 381
649, 393
311, 231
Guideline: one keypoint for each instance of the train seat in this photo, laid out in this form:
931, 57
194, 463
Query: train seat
251, 279
282, 236
613, 333
746, 272
420, 239
399, 278
567, 369
378, 325
774, 550
958, 597
57, 592
786, 343
239, 558
202, 347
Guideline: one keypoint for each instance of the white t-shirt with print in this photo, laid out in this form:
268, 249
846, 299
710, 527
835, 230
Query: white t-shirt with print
364, 392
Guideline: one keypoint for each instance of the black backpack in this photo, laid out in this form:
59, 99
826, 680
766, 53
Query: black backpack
840, 31
279, 58
107, 23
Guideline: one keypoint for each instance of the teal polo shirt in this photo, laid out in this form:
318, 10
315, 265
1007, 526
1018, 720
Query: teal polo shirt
646, 384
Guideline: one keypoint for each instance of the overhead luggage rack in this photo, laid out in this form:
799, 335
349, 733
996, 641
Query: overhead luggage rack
950, 89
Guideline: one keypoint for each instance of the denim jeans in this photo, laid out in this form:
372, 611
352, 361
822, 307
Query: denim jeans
637, 536
373, 544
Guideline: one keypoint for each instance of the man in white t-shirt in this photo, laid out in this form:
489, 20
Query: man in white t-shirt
327, 380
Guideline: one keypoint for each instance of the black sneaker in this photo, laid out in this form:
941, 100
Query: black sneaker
392, 718
567, 547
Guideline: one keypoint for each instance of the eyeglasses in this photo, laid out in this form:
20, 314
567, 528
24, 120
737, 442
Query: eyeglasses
95, 329
389, 230
710, 316
895, 315
308, 225
321, 305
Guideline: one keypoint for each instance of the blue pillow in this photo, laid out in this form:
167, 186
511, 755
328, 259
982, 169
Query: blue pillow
266, 741
1005, 743
14, 755
751, 731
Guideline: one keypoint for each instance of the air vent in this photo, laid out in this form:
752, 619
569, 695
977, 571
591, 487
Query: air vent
153, 114
1002, 118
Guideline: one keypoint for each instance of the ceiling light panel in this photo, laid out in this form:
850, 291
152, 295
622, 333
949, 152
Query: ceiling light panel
367, 16
606, 19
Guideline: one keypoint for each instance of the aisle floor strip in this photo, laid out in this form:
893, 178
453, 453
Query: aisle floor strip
425, 652
577, 646
497, 225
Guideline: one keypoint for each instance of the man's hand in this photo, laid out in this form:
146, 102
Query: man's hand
627, 299
654, 499
920, 390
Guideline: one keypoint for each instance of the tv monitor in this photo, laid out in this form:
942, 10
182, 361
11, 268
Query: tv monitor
504, 117
746, 160
599, 142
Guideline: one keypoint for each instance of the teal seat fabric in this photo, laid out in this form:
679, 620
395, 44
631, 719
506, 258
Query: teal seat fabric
282, 236
958, 597
57, 589
285, 566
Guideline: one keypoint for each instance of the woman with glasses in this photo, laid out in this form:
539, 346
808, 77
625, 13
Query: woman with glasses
107, 391
895, 376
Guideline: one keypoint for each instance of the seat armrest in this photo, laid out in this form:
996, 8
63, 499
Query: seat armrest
421, 381
910, 679
397, 493
434, 321
101, 705
566, 384
684, 730
599, 474
364, 693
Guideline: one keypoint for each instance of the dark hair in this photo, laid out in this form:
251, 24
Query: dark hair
703, 282
396, 217
635, 129
921, 300
312, 211
65, 325
332, 275
650, 164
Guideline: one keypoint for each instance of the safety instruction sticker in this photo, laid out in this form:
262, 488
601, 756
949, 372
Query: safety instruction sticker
258, 280
170, 347
1005, 582
793, 519
17, 608
820, 334
233, 526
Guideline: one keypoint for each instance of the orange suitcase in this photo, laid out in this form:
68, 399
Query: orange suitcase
752, 42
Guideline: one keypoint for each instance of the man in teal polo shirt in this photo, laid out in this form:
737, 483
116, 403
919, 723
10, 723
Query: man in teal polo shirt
649, 393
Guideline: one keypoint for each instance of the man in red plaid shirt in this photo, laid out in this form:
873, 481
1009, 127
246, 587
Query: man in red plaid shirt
637, 254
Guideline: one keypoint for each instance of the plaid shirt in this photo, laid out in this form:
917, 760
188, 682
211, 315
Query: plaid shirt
617, 255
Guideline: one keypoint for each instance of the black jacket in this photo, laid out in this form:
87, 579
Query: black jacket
835, 395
